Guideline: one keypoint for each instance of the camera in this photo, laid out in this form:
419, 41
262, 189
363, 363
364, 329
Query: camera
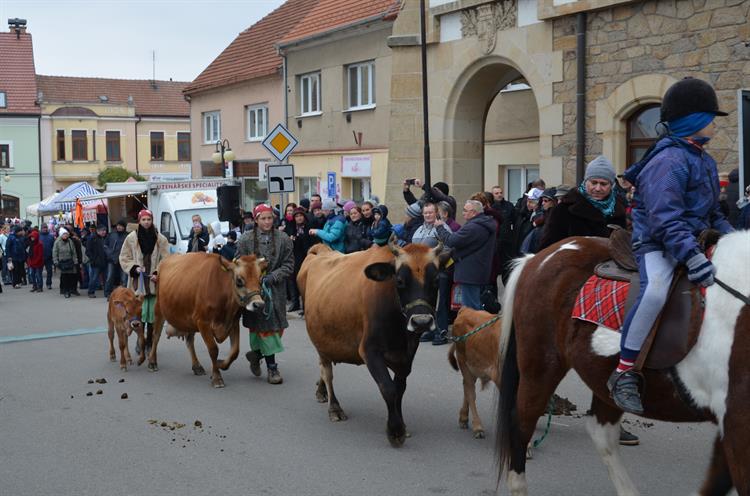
411, 182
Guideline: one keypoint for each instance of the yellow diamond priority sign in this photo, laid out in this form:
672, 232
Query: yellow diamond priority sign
280, 142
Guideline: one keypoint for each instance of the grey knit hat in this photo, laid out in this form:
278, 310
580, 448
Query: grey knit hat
600, 168
328, 204
414, 210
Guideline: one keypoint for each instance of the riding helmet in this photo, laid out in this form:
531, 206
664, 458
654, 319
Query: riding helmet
688, 96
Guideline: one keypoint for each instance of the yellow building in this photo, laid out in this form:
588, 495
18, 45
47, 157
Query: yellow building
89, 124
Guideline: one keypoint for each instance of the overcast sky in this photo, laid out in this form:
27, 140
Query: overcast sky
115, 38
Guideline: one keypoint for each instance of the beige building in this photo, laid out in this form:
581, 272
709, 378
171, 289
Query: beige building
89, 124
503, 77
338, 98
239, 98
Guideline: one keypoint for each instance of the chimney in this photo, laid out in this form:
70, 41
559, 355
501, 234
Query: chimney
18, 26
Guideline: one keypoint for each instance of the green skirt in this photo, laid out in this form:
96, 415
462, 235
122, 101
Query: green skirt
268, 344
147, 312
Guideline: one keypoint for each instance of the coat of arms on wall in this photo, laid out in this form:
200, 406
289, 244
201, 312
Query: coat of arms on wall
484, 21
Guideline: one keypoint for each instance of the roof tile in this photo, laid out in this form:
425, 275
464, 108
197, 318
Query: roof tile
17, 74
164, 99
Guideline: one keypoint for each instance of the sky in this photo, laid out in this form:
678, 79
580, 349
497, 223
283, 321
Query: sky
115, 38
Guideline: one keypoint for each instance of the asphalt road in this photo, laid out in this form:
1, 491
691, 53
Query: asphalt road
258, 439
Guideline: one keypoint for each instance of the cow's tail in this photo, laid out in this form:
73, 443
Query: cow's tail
452, 357
510, 453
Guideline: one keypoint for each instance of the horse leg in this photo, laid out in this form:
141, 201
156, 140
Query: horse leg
321, 392
718, 480
335, 412
736, 443
604, 428
234, 350
190, 343
213, 351
395, 428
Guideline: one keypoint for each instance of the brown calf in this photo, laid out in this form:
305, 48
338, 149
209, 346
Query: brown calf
124, 316
476, 358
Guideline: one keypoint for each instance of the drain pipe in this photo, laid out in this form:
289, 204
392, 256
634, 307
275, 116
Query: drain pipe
580, 96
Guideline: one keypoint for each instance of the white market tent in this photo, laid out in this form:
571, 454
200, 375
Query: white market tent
65, 200
33, 209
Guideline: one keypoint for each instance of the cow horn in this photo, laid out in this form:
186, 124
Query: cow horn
392, 245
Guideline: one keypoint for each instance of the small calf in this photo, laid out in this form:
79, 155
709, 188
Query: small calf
124, 316
476, 358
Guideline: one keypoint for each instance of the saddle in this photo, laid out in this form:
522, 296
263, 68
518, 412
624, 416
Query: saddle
671, 338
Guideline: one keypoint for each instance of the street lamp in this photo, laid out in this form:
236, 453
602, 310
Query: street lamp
222, 155
6, 179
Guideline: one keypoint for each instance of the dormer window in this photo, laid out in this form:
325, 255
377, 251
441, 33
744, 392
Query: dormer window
3, 100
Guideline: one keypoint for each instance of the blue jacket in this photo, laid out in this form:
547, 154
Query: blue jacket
473, 248
15, 248
48, 241
677, 197
332, 233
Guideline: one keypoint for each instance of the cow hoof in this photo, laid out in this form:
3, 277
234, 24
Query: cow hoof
529, 455
141, 360
130, 361
397, 441
337, 415
153, 367
199, 370
112, 358
123, 368
321, 397
478, 434
218, 383
463, 424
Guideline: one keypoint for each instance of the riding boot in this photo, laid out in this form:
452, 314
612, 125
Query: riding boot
624, 388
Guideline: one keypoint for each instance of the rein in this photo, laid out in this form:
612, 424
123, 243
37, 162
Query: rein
729, 289
460, 339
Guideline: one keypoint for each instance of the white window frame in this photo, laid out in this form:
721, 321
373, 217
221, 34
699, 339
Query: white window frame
306, 96
307, 183
208, 127
252, 112
3, 99
359, 104
10, 155
524, 179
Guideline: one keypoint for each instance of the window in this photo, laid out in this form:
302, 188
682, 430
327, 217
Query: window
113, 146
642, 131
255, 193
166, 225
80, 145
361, 81
11, 206
183, 147
60, 144
3, 100
360, 189
4, 155
157, 145
516, 180
257, 122
307, 186
211, 127
309, 86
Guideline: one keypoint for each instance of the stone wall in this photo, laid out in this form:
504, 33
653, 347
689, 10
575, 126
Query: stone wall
665, 38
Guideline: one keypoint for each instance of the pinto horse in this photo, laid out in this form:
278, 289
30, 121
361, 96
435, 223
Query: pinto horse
711, 384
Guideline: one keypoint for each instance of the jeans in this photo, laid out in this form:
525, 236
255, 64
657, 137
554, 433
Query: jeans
445, 283
36, 277
49, 267
94, 273
471, 296
6, 272
84, 276
115, 277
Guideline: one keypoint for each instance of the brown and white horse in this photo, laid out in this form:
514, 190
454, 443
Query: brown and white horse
712, 383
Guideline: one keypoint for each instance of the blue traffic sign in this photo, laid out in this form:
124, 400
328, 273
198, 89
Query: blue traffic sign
331, 185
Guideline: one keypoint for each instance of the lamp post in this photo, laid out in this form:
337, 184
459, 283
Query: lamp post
222, 155
6, 178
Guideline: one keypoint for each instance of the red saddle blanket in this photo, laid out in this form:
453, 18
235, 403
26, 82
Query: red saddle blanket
602, 302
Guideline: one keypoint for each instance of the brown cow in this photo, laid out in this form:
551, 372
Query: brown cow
124, 317
476, 358
205, 293
370, 307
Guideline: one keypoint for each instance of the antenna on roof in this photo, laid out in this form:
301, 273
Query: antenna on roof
153, 68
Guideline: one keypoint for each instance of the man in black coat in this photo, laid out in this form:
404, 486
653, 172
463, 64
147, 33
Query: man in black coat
473, 249
113, 245
97, 258
508, 211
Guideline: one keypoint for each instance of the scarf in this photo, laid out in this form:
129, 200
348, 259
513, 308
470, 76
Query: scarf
690, 124
147, 240
606, 207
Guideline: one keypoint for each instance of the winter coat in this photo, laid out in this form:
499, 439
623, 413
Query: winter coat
733, 195
574, 215
676, 197
473, 248
131, 256
280, 257
65, 250
508, 211
15, 248
743, 222
48, 241
427, 235
229, 251
302, 241
113, 246
96, 252
410, 227
380, 232
355, 237
333, 232
36, 252
200, 239
521, 230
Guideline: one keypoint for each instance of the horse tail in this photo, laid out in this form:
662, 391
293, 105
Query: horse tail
508, 446
452, 357
508, 297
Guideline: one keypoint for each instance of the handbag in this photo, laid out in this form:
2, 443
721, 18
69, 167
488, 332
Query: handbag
65, 265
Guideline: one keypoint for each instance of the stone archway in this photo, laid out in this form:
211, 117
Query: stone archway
465, 75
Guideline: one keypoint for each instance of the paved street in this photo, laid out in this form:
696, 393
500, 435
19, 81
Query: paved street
259, 439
